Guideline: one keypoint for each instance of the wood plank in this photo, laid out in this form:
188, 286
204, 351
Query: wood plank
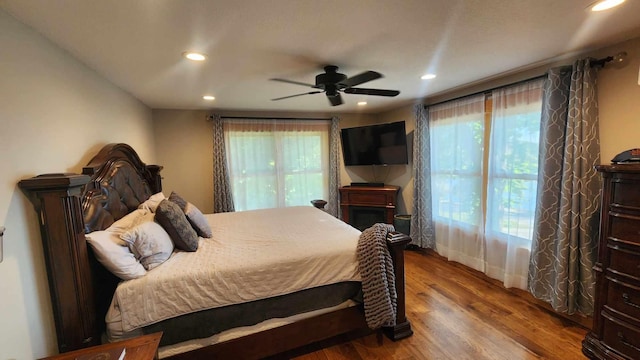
459, 313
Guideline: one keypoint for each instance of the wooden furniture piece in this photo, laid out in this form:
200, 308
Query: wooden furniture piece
81, 289
616, 317
143, 347
114, 183
363, 206
56, 200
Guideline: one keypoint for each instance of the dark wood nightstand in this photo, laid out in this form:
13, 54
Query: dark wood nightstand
139, 348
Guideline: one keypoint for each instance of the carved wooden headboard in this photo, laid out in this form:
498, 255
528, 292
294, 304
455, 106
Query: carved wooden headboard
114, 183
120, 182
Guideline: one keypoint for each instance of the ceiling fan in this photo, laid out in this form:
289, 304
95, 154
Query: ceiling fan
332, 83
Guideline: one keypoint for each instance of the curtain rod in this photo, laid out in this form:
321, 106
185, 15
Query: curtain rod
210, 117
488, 90
618, 58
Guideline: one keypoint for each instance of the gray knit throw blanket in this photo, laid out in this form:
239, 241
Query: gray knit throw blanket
378, 278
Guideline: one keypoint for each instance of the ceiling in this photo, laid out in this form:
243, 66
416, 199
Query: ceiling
137, 44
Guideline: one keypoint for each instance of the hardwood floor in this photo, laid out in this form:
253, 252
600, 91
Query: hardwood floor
458, 313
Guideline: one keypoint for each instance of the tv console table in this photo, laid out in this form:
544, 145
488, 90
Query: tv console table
363, 206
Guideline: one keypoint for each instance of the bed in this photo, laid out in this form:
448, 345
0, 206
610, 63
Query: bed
84, 293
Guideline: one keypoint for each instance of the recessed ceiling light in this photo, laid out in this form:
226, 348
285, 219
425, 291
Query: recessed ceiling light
428, 76
362, 103
194, 56
605, 4
209, 97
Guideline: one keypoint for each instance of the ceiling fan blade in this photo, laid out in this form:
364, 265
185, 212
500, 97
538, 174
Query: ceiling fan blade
335, 100
360, 78
294, 82
290, 96
377, 92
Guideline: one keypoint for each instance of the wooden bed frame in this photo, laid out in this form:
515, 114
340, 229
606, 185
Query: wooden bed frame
114, 183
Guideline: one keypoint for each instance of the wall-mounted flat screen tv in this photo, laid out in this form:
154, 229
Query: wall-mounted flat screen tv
380, 144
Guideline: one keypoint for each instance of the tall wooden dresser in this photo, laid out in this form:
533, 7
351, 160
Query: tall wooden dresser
616, 317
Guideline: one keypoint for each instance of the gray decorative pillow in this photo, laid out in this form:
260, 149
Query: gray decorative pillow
194, 215
174, 221
149, 243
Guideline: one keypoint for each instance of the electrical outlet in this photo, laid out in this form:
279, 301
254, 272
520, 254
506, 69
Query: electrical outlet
1, 241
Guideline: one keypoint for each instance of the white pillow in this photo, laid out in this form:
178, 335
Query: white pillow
116, 258
152, 202
149, 243
129, 221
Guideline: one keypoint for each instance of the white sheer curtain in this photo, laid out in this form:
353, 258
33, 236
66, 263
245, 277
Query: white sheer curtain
277, 163
457, 140
512, 181
484, 174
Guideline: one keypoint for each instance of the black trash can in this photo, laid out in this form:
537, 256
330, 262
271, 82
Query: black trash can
402, 223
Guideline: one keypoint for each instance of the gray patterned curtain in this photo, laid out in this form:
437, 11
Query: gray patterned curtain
566, 223
422, 229
333, 203
222, 195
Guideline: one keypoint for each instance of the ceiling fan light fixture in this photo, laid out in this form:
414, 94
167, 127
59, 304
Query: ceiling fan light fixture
428, 76
209, 97
195, 56
605, 5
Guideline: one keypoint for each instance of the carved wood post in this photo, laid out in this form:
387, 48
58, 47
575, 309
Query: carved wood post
402, 329
55, 198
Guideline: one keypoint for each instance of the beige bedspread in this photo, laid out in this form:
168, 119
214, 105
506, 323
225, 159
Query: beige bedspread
252, 255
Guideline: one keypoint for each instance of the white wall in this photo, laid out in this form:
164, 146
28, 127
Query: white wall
55, 114
619, 101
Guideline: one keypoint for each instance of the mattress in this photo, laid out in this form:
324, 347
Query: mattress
252, 255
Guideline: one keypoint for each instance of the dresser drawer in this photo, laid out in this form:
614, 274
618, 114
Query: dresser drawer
625, 262
623, 337
625, 227
626, 193
624, 298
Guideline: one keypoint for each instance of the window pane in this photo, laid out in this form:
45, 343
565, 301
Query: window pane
302, 152
275, 164
515, 144
300, 188
255, 153
513, 164
254, 192
513, 207
457, 136
457, 198
457, 145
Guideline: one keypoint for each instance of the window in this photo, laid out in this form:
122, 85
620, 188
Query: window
513, 161
484, 171
277, 163
457, 142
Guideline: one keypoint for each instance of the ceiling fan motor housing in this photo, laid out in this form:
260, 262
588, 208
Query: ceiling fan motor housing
329, 80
